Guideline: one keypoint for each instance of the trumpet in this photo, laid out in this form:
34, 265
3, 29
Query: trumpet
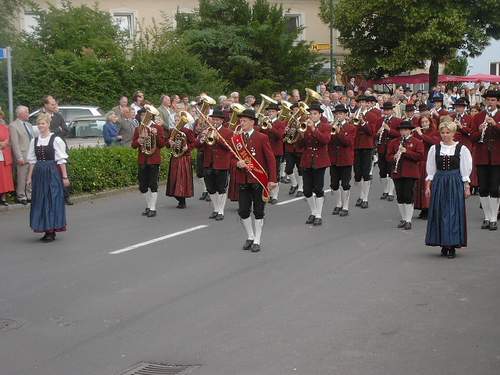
359, 117
211, 136
336, 127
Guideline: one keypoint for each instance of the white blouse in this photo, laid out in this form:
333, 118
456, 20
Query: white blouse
465, 160
59, 148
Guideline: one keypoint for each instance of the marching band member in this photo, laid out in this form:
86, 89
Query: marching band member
486, 136
410, 115
148, 139
275, 132
426, 132
405, 153
365, 121
314, 161
448, 168
341, 151
385, 133
464, 124
198, 129
216, 163
293, 154
256, 155
438, 111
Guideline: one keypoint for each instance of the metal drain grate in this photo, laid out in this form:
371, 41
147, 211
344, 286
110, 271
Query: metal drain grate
8, 324
147, 368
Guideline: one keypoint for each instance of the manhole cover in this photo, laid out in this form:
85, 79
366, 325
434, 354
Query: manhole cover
147, 368
8, 324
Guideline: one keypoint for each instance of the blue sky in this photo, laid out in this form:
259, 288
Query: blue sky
481, 64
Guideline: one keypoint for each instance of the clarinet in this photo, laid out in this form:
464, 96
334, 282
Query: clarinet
483, 132
398, 154
381, 131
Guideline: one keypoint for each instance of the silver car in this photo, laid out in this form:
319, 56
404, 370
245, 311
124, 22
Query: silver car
70, 112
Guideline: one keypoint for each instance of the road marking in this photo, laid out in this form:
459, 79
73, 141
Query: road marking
296, 199
154, 240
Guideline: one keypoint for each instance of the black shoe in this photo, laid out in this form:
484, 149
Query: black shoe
300, 193
44, 238
493, 225
151, 213
24, 202
203, 196
358, 202
284, 180
3, 203
181, 205
486, 224
317, 221
247, 245
255, 248
49, 237
364, 204
213, 215
293, 189
310, 219
451, 253
68, 202
207, 199
444, 251
390, 198
219, 217
273, 201
384, 196
423, 214
407, 225
336, 210
344, 213
401, 224
145, 212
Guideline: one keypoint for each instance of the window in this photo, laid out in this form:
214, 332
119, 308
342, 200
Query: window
125, 22
294, 24
495, 68
30, 22
71, 113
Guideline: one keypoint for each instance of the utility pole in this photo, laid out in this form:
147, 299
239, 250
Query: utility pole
332, 62
6, 54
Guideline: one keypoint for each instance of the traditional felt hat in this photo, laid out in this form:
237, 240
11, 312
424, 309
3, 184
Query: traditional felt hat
315, 106
405, 125
340, 108
218, 113
492, 94
273, 106
361, 98
388, 105
437, 98
423, 108
371, 98
411, 107
249, 113
460, 102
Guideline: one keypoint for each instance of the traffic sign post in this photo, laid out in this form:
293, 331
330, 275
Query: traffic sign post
6, 54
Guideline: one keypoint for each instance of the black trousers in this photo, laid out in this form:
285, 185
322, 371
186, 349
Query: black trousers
292, 159
199, 164
340, 175
362, 164
405, 189
314, 181
278, 158
251, 195
148, 177
489, 180
216, 180
384, 167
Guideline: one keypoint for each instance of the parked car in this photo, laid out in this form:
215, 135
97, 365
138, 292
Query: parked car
70, 112
86, 131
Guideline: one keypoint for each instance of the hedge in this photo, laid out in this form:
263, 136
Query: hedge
94, 169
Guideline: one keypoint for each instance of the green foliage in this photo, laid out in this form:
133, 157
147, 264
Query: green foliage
250, 45
457, 66
8, 14
392, 36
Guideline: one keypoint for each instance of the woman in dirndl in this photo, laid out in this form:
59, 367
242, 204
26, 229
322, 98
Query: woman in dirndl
449, 165
47, 176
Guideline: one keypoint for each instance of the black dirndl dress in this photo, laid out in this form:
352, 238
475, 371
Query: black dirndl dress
446, 223
48, 212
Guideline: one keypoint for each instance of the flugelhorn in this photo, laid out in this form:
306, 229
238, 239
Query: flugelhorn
263, 120
177, 136
286, 111
236, 108
148, 146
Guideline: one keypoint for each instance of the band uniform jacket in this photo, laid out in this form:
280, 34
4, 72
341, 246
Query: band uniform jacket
217, 156
276, 134
440, 113
365, 133
258, 145
463, 134
387, 135
155, 158
408, 165
20, 139
315, 144
341, 146
294, 148
488, 152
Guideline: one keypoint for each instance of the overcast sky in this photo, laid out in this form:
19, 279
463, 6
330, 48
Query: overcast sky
481, 64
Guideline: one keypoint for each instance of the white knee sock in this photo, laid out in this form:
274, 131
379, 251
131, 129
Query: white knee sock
259, 223
494, 204
401, 208
247, 224
282, 170
147, 197
409, 212
391, 186
367, 189
311, 201
300, 183
319, 206
293, 179
345, 199
203, 186
222, 203
385, 185
275, 191
363, 195
337, 198
214, 200
485, 204
152, 204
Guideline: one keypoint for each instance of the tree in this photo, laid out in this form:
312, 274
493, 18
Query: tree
393, 36
10, 10
457, 66
250, 45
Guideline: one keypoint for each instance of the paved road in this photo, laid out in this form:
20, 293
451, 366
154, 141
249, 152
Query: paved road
355, 296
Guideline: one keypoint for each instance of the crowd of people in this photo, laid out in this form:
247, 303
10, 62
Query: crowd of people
432, 150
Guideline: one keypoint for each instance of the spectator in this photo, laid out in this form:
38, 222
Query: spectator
249, 101
295, 98
185, 100
122, 104
57, 124
167, 113
126, 126
21, 133
6, 181
235, 97
351, 85
110, 130
139, 102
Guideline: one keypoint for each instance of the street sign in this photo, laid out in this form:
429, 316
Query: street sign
3, 53
320, 47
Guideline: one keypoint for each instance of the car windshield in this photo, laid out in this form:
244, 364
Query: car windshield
86, 128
